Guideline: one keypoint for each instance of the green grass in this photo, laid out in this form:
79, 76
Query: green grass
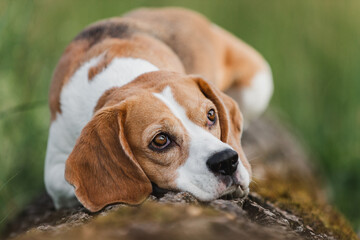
313, 47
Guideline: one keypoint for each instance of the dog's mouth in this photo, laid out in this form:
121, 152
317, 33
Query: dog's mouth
234, 190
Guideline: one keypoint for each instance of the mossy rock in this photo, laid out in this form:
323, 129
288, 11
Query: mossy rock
286, 202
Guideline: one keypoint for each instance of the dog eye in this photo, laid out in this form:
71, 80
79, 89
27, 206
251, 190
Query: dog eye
160, 141
211, 115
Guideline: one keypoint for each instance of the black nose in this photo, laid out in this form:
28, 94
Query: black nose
224, 162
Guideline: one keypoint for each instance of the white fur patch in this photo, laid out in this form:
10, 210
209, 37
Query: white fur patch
194, 176
78, 99
243, 176
253, 100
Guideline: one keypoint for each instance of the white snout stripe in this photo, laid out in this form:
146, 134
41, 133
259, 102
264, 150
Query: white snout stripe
194, 176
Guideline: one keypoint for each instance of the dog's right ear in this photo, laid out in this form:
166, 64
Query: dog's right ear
101, 166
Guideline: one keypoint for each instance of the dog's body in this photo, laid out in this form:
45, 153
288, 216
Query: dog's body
121, 92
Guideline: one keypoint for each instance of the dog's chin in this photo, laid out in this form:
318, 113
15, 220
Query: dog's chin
233, 189
234, 192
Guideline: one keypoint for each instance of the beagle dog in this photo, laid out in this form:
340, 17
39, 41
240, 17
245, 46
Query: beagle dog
137, 102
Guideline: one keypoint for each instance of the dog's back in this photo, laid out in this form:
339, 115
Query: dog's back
173, 39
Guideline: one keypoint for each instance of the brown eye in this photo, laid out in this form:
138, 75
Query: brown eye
211, 116
160, 141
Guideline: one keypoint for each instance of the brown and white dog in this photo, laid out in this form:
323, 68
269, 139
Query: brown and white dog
137, 100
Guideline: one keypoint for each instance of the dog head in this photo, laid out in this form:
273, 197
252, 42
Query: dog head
176, 131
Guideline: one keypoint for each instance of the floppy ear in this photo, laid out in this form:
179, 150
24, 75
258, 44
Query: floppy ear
101, 166
229, 114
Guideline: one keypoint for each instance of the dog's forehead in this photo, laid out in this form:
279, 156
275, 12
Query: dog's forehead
145, 110
157, 104
184, 91
189, 108
183, 87
167, 97
185, 100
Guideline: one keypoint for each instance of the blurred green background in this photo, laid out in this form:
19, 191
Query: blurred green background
312, 46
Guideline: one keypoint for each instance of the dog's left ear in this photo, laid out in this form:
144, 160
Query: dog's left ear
229, 114
102, 167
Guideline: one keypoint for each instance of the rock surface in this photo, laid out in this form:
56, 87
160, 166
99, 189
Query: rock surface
286, 202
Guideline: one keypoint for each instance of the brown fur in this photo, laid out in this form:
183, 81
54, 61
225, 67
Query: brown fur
102, 167
172, 39
139, 46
